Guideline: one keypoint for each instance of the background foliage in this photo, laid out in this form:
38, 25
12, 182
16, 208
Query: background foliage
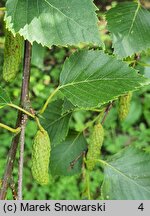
45, 72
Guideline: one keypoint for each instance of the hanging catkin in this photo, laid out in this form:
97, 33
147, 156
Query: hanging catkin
124, 105
41, 157
95, 144
12, 56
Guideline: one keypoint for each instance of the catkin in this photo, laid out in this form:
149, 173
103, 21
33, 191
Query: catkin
41, 157
12, 55
124, 106
95, 144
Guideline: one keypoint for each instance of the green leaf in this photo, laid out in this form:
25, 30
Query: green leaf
92, 78
127, 176
56, 124
129, 24
4, 98
38, 54
65, 153
54, 22
67, 106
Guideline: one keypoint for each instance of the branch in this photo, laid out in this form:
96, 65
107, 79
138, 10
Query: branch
23, 100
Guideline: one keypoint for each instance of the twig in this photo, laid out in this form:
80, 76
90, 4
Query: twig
25, 95
24, 98
72, 163
13, 189
108, 108
21, 158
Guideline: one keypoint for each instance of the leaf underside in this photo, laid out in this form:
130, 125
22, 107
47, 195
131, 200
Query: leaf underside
56, 124
67, 106
38, 55
127, 176
54, 22
68, 151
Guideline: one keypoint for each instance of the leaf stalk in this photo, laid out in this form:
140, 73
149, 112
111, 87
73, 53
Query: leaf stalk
49, 100
17, 130
21, 109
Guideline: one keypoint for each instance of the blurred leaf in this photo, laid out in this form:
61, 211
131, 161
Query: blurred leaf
4, 98
127, 176
91, 78
115, 142
129, 24
143, 65
110, 122
68, 151
56, 124
79, 118
140, 137
146, 110
38, 54
54, 22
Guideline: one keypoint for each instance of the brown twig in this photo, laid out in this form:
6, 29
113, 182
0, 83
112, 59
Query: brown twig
72, 163
13, 189
21, 158
108, 108
23, 100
